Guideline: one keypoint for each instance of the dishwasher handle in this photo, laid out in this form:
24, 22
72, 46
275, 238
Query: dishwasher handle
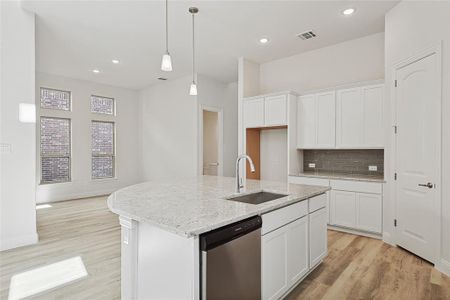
228, 233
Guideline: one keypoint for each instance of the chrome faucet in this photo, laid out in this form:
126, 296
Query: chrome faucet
239, 183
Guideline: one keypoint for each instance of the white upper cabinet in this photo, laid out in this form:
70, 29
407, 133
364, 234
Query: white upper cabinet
254, 112
306, 122
359, 117
275, 110
316, 121
266, 111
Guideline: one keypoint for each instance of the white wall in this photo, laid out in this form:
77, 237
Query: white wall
411, 27
348, 62
274, 155
170, 126
126, 127
17, 165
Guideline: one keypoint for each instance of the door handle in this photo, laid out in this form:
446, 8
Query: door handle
428, 185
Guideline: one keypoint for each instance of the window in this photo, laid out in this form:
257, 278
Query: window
102, 149
102, 105
55, 150
55, 99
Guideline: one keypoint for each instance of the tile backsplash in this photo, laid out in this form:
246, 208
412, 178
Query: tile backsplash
344, 161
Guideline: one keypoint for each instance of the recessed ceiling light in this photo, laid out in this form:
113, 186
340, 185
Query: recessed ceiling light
264, 40
96, 71
115, 61
348, 11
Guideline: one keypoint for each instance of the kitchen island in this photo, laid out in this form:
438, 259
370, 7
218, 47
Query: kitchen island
163, 220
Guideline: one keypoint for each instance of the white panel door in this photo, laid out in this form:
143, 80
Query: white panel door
317, 236
254, 113
349, 119
306, 122
418, 101
275, 111
274, 263
373, 116
297, 250
369, 212
343, 208
326, 120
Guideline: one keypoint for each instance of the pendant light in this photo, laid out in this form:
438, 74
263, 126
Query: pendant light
193, 88
166, 63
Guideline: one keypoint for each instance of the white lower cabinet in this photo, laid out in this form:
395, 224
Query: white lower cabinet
317, 236
284, 258
361, 211
343, 208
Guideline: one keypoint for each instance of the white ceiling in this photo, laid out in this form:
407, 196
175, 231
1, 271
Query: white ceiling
74, 37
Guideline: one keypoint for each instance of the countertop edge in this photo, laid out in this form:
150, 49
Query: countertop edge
197, 232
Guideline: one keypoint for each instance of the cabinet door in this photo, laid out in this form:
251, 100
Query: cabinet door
275, 110
326, 120
343, 208
373, 116
350, 119
297, 250
254, 113
274, 263
306, 122
369, 215
317, 236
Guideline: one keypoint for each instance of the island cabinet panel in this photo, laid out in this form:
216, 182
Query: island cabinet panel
297, 250
284, 255
317, 236
274, 263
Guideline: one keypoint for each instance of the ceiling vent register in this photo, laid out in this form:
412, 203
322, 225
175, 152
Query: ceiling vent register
307, 35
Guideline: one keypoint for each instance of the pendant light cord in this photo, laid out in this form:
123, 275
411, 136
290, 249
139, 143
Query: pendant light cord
167, 26
193, 49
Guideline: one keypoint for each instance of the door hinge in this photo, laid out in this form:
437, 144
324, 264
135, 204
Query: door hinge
395, 176
395, 83
395, 222
395, 129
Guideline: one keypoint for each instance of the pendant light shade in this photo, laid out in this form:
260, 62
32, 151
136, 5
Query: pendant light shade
193, 88
166, 63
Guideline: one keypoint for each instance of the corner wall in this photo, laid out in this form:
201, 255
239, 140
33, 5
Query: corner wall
170, 126
17, 140
412, 26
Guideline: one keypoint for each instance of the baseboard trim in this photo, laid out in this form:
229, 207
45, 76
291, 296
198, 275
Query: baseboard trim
443, 266
387, 238
20, 241
356, 232
74, 196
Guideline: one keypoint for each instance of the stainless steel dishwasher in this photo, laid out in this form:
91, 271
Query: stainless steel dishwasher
231, 261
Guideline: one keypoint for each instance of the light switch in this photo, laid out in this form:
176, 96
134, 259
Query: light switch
311, 165
373, 168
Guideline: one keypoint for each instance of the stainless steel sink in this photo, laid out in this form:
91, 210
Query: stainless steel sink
256, 198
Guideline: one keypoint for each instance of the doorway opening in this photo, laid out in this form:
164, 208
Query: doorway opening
211, 137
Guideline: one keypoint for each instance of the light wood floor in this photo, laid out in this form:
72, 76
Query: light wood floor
355, 268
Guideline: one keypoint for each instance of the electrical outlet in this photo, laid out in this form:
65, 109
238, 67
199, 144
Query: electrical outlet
373, 168
312, 165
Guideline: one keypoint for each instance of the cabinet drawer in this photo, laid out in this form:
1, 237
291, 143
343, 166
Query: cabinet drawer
280, 217
309, 181
356, 186
317, 202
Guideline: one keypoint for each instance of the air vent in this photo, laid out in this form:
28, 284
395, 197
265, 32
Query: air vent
307, 35
162, 78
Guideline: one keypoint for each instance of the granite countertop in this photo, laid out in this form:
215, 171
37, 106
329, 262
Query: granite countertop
190, 207
342, 176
